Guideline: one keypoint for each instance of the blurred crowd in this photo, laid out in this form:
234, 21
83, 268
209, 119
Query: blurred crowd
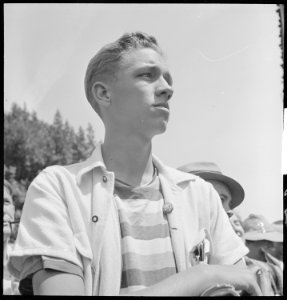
263, 239
11, 219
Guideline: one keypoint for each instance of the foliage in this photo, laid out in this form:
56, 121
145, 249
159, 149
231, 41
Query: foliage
30, 145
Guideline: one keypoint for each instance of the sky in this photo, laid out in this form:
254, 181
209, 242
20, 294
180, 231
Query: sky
225, 62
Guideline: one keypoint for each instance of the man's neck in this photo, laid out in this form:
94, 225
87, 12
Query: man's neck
129, 158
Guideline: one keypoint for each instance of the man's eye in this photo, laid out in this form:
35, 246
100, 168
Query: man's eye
146, 75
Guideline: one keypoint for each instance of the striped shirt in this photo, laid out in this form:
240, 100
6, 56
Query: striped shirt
146, 245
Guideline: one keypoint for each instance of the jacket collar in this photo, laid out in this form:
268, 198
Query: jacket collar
173, 175
94, 161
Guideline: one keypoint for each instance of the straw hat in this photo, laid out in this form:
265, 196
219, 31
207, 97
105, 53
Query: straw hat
257, 228
210, 171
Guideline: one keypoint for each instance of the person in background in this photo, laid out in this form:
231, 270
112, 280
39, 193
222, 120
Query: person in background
265, 243
122, 222
236, 223
17, 218
279, 225
10, 285
232, 194
18, 199
230, 191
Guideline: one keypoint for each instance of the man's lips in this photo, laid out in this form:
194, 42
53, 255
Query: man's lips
162, 105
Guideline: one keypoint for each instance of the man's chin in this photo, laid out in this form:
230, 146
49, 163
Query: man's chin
161, 129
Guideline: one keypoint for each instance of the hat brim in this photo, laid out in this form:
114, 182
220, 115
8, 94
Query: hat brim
274, 236
236, 190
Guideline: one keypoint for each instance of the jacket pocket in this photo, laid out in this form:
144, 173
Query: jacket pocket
200, 249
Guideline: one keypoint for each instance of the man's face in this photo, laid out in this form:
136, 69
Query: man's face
223, 192
140, 94
8, 213
236, 225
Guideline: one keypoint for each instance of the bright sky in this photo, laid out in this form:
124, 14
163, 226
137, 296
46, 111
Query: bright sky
225, 62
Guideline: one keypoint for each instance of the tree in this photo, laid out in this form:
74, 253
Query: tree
90, 139
30, 145
79, 146
69, 140
57, 136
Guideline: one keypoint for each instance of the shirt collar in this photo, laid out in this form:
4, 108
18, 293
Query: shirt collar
173, 175
94, 161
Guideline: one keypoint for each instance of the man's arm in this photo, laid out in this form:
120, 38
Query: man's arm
51, 282
191, 282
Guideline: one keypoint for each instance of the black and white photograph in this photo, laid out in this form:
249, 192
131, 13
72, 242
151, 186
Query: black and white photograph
143, 149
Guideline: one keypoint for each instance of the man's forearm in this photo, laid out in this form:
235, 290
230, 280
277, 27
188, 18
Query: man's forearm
50, 282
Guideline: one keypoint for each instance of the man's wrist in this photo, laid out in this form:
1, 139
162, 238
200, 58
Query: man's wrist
220, 290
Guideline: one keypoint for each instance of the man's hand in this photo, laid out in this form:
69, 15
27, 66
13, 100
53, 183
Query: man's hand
196, 280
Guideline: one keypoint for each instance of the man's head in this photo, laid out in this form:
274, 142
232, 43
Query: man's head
126, 80
261, 236
104, 68
8, 210
230, 191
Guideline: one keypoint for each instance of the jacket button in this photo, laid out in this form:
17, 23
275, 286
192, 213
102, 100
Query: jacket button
105, 179
95, 219
167, 208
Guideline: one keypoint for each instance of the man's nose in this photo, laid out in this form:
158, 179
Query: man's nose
164, 89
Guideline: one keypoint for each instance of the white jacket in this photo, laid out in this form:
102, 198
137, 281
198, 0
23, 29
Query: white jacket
70, 213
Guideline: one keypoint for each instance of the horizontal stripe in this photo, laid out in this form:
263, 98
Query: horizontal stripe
147, 278
148, 262
147, 193
146, 247
145, 232
139, 206
140, 219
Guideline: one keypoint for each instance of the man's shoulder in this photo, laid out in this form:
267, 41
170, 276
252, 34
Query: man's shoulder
74, 169
63, 169
59, 172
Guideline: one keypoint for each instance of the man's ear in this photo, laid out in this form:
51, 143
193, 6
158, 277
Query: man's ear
101, 93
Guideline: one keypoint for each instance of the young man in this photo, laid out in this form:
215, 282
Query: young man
122, 222
229, 190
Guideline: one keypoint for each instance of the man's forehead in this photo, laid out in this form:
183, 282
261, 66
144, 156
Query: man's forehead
143, 57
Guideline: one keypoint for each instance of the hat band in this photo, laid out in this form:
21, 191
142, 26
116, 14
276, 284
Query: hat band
200, 171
